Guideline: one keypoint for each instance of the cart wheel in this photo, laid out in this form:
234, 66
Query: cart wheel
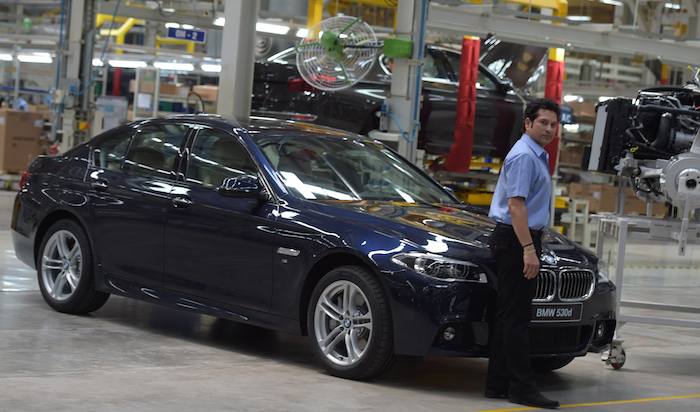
619, 361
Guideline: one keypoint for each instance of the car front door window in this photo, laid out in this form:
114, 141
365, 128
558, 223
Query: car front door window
154, 150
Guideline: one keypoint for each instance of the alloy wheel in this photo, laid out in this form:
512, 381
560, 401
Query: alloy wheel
343, 323
61, 265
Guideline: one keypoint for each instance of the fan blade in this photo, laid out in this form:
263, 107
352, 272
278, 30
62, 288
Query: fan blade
307, 44
346, 28
347, 77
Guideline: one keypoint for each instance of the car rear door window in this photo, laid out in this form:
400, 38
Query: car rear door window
215, 156
482, 79
154, 150
108, 152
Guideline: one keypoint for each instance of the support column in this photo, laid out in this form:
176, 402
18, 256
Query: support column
553, 91
236, 77
460, 155
406, 80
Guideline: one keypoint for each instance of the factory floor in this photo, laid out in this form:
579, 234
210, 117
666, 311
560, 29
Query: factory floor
136, 356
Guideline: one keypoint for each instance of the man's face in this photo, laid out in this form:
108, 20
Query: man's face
543, 128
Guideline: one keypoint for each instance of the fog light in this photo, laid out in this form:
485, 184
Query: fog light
449, 333
600, 330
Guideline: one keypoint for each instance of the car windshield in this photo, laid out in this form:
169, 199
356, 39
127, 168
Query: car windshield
337, 168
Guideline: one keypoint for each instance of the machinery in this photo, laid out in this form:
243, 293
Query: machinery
655, 141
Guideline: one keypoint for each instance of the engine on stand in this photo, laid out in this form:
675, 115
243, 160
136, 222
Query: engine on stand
655, 141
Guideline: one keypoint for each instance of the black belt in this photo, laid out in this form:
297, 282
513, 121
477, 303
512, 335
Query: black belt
505, 226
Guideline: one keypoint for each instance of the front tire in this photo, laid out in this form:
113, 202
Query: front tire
65, 270
544, 365
350, 325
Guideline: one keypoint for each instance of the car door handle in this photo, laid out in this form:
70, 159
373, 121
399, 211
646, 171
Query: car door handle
181, 201
100, 185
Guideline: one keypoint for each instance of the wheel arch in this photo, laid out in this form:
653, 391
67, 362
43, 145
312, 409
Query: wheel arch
331, 260
53, 217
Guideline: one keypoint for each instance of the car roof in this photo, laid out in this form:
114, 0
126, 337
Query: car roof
255, 125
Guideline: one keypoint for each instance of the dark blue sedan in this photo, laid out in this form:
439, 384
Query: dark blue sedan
294, 227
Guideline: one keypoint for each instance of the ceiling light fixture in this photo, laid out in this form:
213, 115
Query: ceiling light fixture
220, 21
302, 33
616, 3
97, 62
672, 6
35, 58
172, 25
5, 57
212, 68
578, 18
272, 28
572, 98
187, 26
181, 67
127, 64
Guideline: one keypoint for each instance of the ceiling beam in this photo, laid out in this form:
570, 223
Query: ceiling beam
459, 22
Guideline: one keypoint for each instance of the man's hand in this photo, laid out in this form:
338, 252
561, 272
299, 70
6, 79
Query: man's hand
531, 265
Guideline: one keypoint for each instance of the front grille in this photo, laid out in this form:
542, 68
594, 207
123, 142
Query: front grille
546, 286
569, 339
576, 284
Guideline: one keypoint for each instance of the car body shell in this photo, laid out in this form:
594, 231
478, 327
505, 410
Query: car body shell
257, 261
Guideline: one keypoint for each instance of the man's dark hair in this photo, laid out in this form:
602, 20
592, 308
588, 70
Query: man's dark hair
534, 106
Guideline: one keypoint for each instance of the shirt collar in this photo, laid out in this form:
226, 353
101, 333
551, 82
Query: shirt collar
534, 146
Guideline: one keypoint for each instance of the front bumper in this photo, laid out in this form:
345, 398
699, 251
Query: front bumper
423, 309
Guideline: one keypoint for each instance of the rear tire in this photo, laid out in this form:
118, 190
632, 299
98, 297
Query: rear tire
350, 326
65, 270
550, 364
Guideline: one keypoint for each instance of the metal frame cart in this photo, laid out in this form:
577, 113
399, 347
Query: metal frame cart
623, 228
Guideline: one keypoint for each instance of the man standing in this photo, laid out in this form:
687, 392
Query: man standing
521, 208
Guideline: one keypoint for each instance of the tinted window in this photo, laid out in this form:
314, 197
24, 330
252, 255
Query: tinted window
216, 156
108, 152
482, 79
313, 167
430, 67
154, 150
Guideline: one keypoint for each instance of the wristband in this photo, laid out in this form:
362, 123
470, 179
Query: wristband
529, 244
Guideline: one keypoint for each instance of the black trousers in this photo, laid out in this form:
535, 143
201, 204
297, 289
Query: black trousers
509, 363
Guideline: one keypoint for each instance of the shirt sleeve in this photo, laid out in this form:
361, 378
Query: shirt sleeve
519, 174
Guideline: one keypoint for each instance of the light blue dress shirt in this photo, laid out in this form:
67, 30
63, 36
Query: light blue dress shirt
525, 173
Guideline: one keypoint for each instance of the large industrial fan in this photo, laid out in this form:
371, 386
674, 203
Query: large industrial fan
339, 51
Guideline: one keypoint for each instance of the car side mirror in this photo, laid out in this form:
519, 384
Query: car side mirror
244, 186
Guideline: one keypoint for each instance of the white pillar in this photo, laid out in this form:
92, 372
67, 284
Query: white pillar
406, 84
71, 71
237, 58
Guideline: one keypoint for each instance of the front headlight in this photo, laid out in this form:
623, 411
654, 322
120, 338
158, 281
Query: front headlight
440, 267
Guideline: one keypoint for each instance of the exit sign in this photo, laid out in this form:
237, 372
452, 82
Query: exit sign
197, 36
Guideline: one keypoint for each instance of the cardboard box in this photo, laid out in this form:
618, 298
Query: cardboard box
571, 156
209, 93
166, 89
20, 133
637, 206
601, 198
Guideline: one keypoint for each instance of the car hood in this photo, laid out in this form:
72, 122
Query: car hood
460, 226
521, 64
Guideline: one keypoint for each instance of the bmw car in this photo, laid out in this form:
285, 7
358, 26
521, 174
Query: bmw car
294, 227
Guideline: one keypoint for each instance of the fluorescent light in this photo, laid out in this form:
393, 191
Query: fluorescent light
272, 28
172, 25
33, 58
213, 68
6, 57
302, 33
602, 99
613, 2
183, 67
97, 62
672, 6
578, 18
572, 98
187, 26
219, 21
571, 128
127, 64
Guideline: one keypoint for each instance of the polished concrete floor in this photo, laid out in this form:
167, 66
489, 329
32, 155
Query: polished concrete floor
135, 356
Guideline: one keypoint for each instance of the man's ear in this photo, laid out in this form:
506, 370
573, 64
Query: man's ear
528, 123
